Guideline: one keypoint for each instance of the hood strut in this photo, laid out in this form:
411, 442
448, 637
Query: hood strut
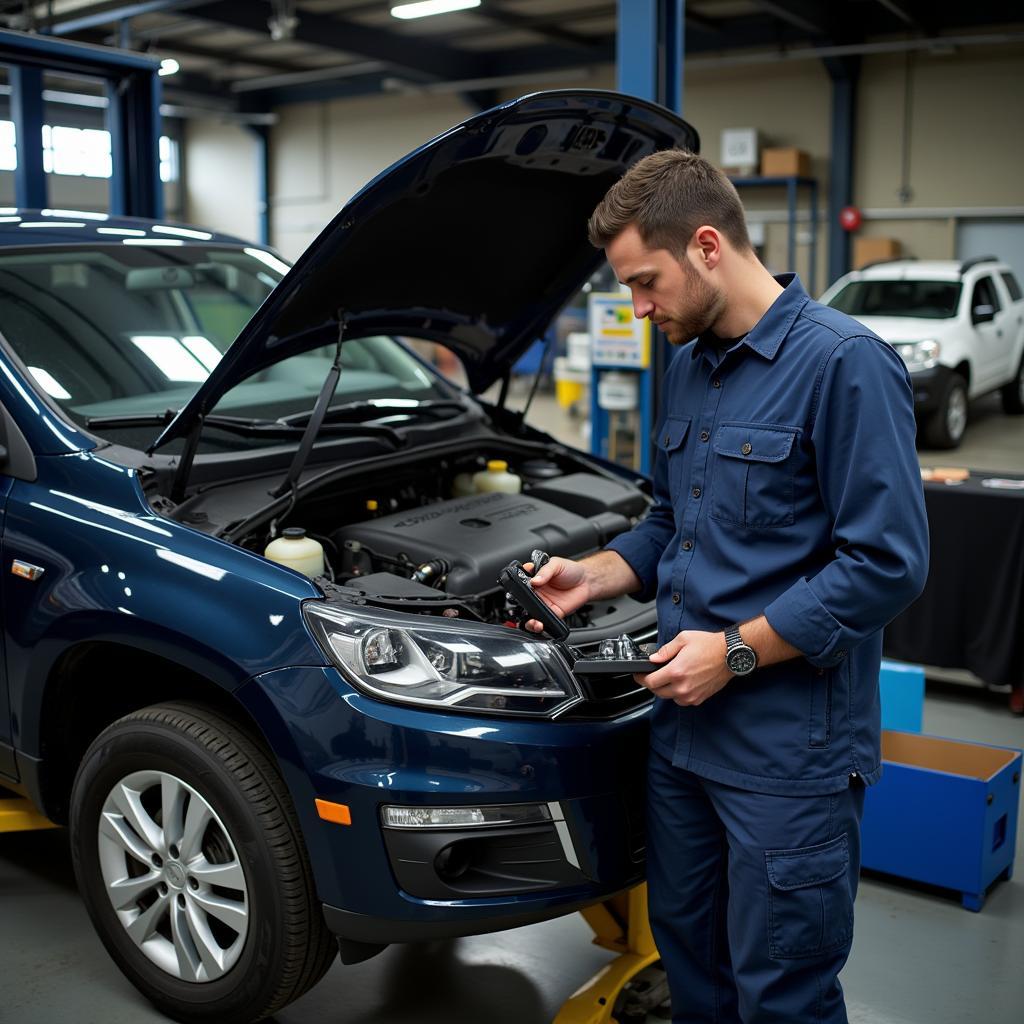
316, 418
181, 474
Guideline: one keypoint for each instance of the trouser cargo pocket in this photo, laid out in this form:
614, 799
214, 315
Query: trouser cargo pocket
810, 904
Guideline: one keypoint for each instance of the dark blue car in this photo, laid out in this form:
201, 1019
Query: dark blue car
259, 766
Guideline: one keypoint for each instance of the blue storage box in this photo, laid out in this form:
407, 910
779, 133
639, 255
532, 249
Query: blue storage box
944, 812
902, 691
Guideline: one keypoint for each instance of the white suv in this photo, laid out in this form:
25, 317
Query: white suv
958, 326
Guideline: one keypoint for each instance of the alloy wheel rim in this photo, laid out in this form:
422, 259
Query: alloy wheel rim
173, 876
956, 414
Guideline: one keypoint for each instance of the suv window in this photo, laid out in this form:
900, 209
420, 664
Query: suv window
1011, 286
931, 299
985, 294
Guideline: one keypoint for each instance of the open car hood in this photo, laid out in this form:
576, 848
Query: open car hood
475, 240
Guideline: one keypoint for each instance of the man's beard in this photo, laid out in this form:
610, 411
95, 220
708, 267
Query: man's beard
705, 307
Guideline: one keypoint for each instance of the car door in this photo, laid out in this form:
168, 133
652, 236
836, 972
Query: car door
983, 311
1009, 324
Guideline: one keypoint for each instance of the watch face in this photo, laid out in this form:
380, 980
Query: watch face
741, 661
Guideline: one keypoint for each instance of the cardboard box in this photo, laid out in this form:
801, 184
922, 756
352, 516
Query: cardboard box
871, 250
945, 813
785, 162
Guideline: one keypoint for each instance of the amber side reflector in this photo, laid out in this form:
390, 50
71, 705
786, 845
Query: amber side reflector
338, 813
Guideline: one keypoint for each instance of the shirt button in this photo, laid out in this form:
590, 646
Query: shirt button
746, 449
676, 597
696, 492
716, 383
704, 435
687, 545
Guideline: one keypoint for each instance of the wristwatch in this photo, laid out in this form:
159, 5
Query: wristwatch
740, 659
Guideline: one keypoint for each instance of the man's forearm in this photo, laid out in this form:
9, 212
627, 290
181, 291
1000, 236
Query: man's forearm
769, 647
609, 575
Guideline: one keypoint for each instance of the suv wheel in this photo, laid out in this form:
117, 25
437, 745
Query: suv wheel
945, 427
1012, 394
190, 862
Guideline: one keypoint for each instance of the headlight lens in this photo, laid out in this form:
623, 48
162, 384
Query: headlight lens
920, 355
462, 667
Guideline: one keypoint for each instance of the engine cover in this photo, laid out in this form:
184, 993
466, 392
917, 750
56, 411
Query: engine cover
480, 534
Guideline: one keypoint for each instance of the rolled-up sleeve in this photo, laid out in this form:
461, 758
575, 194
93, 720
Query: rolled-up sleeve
870, 481
643, 546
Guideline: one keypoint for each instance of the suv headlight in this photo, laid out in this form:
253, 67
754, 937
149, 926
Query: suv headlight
920, 355
460, 666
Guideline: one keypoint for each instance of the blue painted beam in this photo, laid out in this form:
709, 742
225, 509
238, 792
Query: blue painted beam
133, 120
27, 114
261, 135
116, 12
30, 50
844, 73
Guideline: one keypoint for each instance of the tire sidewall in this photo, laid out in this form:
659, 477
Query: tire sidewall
152, 746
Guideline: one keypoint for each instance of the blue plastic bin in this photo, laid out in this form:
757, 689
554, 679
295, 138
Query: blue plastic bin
902, 689
945, 813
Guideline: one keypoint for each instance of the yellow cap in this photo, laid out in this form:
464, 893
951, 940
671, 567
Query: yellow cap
371, 504
497, 466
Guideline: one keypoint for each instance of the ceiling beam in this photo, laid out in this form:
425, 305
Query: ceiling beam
495, 13
109, 13
807, 17
434, 60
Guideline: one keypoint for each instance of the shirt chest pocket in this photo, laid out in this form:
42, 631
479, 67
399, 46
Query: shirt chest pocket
752, 475
670, 440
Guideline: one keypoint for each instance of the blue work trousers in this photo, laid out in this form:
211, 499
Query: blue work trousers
751, 898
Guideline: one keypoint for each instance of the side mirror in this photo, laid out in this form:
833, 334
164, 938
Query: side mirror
983, 314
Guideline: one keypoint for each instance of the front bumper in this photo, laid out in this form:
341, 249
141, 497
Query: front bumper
929, 387
382, 885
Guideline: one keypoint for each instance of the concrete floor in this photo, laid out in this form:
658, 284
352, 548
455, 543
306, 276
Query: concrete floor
918, 958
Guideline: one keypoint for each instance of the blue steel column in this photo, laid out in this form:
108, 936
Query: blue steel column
133, 119
844, 72
27, 114
261, 134
650, 47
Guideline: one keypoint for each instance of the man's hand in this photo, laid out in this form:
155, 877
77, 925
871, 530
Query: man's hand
693, 668
562, 584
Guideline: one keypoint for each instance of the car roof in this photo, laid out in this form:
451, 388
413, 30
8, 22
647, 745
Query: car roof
924, 270
20, 227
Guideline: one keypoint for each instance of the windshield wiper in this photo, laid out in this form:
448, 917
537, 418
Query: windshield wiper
250, 427
356, 410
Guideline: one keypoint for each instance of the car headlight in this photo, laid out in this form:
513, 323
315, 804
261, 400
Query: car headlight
460, 666
920, 355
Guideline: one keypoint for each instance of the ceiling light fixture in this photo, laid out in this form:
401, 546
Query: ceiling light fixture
168, 66
406, 9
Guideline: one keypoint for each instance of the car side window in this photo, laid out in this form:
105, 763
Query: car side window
985, 295
1011, 286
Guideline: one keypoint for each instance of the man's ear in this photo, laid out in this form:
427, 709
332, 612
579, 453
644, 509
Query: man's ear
707, 246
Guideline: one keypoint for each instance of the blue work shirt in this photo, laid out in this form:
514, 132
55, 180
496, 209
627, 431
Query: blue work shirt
786, 483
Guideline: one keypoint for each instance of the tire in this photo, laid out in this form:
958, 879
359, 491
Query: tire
1012, 394
946, 426
227, 927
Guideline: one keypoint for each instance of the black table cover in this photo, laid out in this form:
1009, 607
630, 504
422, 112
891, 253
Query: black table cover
971, 613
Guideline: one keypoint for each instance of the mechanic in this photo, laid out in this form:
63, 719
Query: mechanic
788, 528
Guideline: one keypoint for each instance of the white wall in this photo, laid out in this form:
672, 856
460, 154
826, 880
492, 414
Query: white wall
221, 175
966, 146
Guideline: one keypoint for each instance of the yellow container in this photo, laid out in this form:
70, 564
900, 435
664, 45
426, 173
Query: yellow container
568, 392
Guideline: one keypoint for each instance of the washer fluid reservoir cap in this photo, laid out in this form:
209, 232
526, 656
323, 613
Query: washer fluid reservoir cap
497, 465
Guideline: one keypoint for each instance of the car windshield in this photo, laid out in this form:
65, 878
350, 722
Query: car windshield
132, 331
933, 300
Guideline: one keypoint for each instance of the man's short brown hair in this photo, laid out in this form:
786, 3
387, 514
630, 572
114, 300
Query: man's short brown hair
668, 195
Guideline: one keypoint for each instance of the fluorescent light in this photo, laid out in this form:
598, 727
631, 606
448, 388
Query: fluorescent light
121, 231
171, 357
75, 213
52, 224
203, 349
423, 8
49, 383
10, 220
268, 259
168, 66
166, 229
149, 241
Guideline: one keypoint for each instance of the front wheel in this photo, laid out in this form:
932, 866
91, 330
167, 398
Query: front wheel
945, 427
190, 862
1012, 394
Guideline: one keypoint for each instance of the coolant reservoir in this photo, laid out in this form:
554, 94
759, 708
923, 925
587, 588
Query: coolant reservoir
294, 549
462, 485
496, 477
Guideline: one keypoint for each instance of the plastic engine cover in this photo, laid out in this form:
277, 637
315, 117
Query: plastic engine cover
480, 534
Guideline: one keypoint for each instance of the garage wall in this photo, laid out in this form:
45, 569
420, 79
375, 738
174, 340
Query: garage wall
965, 152
220, 175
